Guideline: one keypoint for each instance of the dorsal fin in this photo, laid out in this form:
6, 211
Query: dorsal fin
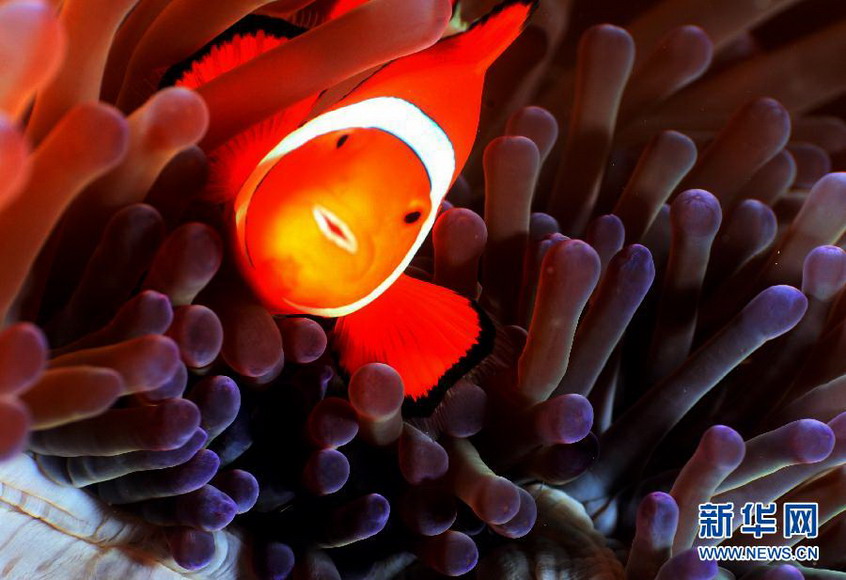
231, 163
488, 37
250, 37
224, 57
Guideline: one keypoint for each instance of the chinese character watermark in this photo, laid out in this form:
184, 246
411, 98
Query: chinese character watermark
759, 519
715, 520
801, 519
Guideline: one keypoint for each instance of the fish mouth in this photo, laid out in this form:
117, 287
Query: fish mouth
335, 229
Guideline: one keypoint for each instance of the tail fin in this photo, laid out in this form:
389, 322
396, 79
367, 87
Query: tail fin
488, 37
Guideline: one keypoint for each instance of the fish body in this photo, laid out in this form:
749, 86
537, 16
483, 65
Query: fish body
329, 213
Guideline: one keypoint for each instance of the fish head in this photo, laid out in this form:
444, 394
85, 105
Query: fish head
334, 219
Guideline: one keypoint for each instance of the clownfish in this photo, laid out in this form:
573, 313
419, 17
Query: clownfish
329, 210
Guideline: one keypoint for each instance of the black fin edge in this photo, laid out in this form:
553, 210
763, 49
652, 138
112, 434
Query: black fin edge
426, 405
250, 24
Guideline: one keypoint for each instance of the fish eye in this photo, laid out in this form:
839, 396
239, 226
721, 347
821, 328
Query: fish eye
412, 217
341, 140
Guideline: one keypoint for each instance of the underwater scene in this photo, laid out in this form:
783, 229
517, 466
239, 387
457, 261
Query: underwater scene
415, 289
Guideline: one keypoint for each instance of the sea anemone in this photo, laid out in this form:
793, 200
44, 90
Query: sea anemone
665, 282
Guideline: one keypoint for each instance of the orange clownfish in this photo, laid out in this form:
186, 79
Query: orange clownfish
329, 212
